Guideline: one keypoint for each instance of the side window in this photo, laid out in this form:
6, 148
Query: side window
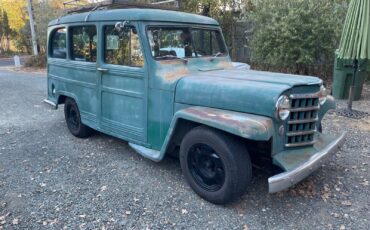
84, 43
59, 43
122, 48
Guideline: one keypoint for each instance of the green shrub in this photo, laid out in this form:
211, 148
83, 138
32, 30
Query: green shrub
296, 36
38, 61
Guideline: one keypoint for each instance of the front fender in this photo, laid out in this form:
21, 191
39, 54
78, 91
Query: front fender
249, 126
329, 105
245, 125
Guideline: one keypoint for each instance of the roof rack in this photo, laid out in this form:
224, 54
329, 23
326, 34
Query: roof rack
117, 4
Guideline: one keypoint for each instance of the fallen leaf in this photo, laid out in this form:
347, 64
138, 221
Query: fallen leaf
55, 221
325, 193
342, 227
184, 211
102, 189
245, 227
15, 221
128, 212
346, 203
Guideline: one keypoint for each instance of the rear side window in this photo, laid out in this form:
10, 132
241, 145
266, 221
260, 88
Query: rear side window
84, 43
122, 48
59, 43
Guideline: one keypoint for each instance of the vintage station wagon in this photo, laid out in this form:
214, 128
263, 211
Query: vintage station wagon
164, 82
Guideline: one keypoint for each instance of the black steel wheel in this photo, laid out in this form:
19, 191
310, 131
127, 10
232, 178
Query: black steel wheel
73, 120
216, 165
206, 167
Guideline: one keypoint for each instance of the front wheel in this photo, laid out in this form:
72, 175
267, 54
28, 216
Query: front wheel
73, 120
216, 165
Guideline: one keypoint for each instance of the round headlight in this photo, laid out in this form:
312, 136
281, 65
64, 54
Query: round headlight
323, 95
283, 107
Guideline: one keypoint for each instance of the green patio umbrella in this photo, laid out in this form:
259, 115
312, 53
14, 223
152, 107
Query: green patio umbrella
355, 41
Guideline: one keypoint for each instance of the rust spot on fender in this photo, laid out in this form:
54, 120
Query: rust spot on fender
224, 65
244, 124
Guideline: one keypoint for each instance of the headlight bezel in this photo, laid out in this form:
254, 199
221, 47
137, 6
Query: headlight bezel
282, 108
323, 95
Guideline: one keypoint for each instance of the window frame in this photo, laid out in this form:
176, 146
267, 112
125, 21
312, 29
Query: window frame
51, 42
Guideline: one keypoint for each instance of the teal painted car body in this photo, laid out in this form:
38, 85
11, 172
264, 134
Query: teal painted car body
147, 105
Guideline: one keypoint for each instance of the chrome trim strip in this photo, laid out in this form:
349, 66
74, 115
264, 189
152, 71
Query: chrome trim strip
304, 109
293, 122
55, 106
284, 180
305, 96
292, 134
300, 144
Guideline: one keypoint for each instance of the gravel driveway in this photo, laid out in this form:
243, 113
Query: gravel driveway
52, 180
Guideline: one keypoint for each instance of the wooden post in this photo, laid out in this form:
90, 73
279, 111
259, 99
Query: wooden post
32, 25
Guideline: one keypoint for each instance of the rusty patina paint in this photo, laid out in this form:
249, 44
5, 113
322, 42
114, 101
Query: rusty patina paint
246, 126
171, 70
225, 65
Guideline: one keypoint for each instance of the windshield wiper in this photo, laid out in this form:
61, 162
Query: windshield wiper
166, 56
169, 56
218, 54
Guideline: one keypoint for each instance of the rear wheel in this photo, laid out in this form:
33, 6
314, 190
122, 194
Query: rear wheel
216, 165
73, 120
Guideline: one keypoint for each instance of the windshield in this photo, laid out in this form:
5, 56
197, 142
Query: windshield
185, 42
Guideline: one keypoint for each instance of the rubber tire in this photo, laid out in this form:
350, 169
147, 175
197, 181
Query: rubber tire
82, 131
320, 128
234, 155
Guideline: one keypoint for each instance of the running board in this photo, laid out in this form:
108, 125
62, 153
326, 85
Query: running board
146, 152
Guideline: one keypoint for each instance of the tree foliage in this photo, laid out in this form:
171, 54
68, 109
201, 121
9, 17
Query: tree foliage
12, 19
45, 11
226, 12
5, 32
16, 12
297, 36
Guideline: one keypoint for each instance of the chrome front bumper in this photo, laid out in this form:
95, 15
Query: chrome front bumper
284, 180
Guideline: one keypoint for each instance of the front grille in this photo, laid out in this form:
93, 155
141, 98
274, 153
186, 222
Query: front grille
301, 124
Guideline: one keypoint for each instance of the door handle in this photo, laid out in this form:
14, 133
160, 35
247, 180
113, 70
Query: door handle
102, 70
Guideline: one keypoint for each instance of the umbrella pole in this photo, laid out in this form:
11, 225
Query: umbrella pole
351, 89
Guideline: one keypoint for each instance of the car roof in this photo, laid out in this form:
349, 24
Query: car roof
134, 15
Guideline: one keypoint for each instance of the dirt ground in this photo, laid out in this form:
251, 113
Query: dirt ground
52, 180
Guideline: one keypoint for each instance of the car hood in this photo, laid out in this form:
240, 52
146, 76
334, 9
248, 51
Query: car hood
247, 91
